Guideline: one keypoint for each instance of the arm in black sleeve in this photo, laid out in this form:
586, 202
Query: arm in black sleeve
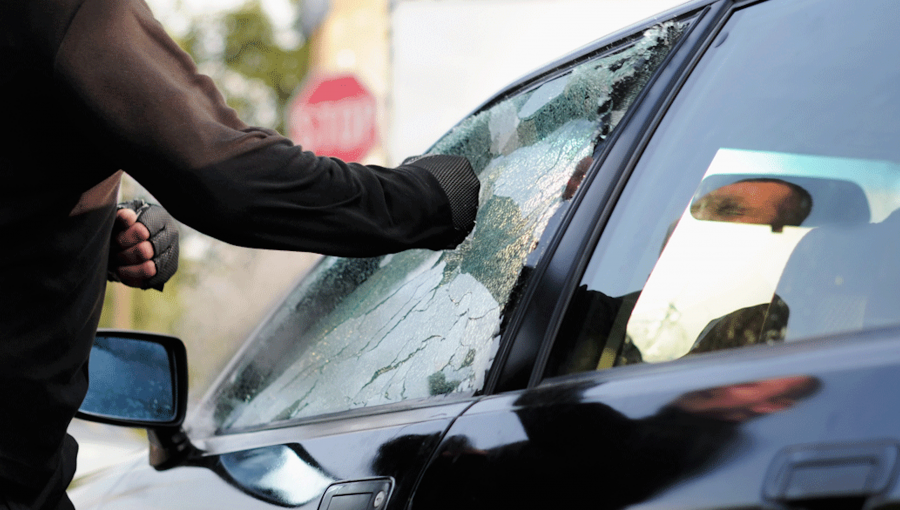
168, 126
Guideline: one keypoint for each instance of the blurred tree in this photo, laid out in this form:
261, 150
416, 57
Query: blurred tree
257, 71
128, 308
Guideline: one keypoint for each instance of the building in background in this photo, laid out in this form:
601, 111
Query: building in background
350, 57
429, 63
449, 56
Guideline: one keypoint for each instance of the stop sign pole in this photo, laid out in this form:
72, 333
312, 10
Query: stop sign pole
333, 116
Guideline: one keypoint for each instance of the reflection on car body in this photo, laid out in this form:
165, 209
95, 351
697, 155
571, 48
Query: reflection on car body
281, 474
563, 447
680, 293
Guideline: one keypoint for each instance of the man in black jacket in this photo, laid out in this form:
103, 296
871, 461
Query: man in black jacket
92, 87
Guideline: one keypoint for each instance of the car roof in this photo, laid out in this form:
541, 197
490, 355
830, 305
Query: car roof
591, 48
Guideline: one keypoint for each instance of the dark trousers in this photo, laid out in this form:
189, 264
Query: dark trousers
52, 496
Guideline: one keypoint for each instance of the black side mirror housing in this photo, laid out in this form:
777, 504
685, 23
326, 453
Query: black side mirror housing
140, 380
136, 380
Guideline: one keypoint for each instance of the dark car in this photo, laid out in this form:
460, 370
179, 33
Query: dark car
681, 292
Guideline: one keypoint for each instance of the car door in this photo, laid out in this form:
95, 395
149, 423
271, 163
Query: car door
343, 394
722, 332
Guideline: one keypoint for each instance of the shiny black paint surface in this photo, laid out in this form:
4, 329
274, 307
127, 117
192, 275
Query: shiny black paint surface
395, 445
572, 439
628, 437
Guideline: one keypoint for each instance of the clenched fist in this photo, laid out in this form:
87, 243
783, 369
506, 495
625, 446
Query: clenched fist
144, 246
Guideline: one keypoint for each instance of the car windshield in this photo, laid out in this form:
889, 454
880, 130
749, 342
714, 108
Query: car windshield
418, 324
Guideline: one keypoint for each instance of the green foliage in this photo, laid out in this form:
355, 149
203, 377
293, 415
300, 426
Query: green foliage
147, 310
242, 43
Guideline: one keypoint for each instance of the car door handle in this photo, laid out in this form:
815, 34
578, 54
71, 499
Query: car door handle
369, 494
821, 471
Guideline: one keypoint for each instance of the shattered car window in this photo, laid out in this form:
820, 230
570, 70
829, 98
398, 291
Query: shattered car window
364, 332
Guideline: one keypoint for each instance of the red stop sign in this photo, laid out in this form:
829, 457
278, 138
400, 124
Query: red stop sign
333, 116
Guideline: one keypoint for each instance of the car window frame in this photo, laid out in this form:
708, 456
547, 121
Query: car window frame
528, 339
716, 17
717, 34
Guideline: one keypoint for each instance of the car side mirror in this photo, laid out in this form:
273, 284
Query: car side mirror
136, 380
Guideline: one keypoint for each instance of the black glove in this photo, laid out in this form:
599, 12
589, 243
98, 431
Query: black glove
460, 184
163, 237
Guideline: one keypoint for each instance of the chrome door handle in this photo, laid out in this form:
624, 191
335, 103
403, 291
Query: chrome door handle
820, 471
369, 494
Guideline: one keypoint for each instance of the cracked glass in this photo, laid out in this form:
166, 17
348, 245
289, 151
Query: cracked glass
423, 324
